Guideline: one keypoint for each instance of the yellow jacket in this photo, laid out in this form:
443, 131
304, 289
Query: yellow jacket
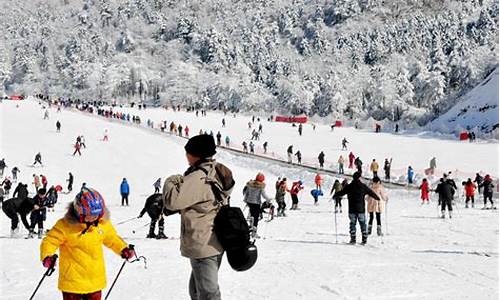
81, 261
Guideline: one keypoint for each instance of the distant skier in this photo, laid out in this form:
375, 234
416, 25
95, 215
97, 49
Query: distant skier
124, 191
77, 149
299, 157
359, 165
7, 184
387, 169
227, 141
245, 147
300, 129
37, 214
38, 159
223, 122
316, 193
289, 153
157, 185
374, 168
470, 189
70, 182
186, 131
252, 147
487, 186
105, 137
294, 192
318, 180
14, 171
219, 138
356, 192
3, 165
260, 128
424, 191
52, 197
265, 147
445, 191
46, 115
478, 180
43, 180
281, 189
21, 191
341, 161
336, 188
432, 165
82, 141
36, 182
253, 191
58, 126
344, 144
351, 160
410, 175
377, 207
321, 159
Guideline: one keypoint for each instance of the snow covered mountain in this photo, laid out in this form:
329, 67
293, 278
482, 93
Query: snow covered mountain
351, 59
476, 111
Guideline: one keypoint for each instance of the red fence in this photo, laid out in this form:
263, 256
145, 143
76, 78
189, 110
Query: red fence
291, 119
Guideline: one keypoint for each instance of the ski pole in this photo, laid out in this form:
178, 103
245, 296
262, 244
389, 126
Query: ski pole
126, 221
336, 240
117, 275
49, 272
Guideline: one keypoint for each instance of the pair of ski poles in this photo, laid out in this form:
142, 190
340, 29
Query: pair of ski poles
51, 270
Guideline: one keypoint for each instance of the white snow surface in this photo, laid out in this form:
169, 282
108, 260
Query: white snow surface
421, 257
477, 110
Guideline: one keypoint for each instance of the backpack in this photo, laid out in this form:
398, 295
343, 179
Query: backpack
231, 228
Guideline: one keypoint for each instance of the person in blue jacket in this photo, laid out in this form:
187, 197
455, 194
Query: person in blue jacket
410, 175
124, 190
316, 193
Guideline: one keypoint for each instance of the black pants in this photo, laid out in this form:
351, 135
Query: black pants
488, 196
295, 199
377, 216
469, 198
124, 199
36, 219
321, 164
281, 206
152, 226
446, 203
70, 186
338, 202
254, 212
387, 175
12, 214
157, 190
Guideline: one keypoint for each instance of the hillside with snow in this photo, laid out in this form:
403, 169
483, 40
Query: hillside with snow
300, 257
476, 111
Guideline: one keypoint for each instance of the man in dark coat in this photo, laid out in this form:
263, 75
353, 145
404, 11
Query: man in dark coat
21, 191
356, 192
15, 206
446, 192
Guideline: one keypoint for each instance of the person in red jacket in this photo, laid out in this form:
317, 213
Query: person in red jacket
351, 160
424, 191
44, 181
77, 149
470, 188
317, 181
294, 192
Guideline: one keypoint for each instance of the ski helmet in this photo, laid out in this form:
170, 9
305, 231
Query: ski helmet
89, 203
242, 259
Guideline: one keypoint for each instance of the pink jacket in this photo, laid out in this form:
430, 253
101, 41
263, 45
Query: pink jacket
374, 205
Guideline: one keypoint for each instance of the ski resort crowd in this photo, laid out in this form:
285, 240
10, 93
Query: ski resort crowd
201, 196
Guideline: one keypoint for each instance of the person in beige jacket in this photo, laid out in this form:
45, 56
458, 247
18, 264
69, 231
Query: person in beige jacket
374, 168
374, 206
194, 196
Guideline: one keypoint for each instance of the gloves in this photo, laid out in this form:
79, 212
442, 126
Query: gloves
128, 253
49, 261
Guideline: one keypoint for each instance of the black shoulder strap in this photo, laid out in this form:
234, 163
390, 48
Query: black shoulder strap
215, 190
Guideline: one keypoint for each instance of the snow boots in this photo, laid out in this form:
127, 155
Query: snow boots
31, 234
161, 236
379, 230
40, 233
353, 240
151, 235
369, 229
364, 239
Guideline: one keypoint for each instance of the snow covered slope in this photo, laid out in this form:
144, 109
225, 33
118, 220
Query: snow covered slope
477, 110
421, 257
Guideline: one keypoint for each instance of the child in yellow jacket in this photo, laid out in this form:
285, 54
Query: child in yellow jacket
79, 236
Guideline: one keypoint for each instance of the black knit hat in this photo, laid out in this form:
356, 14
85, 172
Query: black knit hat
201, 146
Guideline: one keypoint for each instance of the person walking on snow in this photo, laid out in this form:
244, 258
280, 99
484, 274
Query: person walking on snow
58, 126
157, 185
299, 157
265, 147
82, 141
488, 186
341, 164
70, 182
124, 191
14, 171
36, 182
38, 159
186, 131
359, 165
478, 180
470, 189
410, 175
227, 141
79, 237
336, 188
432, 165
387, 169
374, 168
253, 192
300, 129
356, 192
77, 149
105, 137
219, 138
289, 153
445, 192
7, 184
3, 165
43, 180
321, 159
281, 189
376, 206
344, 144
351, 160
424, 191
318, 180
294, 192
